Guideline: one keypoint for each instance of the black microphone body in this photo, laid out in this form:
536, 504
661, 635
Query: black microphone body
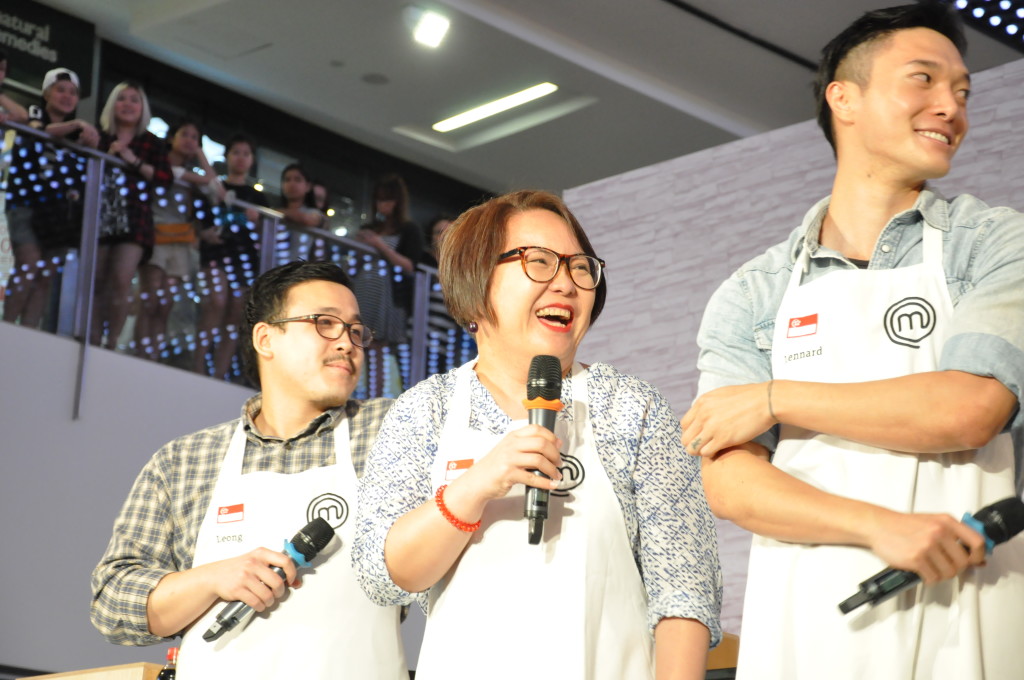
543, 389
304, 546
997, 523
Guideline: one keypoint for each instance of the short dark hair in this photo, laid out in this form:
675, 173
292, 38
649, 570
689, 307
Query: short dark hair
428, 227
469, 252
239, 138
266, 300
184, 122
871, 27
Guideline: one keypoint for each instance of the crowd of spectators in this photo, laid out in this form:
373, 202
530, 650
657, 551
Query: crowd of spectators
179, 245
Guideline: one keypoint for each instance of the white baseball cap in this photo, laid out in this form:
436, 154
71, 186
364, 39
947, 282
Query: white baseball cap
54, 75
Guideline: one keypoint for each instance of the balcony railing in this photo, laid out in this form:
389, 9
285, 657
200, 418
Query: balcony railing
54, 207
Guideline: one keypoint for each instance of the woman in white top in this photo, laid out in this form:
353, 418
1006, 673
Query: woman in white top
624, 574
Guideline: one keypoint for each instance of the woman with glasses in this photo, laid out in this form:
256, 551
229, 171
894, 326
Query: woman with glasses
624, 574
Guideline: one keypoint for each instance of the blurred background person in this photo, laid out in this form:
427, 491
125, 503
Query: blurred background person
298, 204
126, 213
297, 200
175, 255
386, 296
321, 198
432, 233
48, 223
229, 260
444, 337
629, 547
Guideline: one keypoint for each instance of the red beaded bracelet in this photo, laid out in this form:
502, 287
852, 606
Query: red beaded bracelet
452, 519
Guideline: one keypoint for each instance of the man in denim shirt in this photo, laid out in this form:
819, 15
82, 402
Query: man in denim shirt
860, 383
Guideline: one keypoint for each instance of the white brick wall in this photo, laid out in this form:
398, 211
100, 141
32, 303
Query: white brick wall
672, 232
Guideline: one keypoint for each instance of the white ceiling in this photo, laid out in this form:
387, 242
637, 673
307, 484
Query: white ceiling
641, 81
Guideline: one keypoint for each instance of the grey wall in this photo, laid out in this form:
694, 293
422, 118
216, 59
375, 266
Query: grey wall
672, 232
62, 481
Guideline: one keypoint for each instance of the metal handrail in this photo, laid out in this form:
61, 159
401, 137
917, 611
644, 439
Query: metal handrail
98, 161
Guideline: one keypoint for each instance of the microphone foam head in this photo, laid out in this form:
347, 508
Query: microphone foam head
545, 378
1003, 519
313, 538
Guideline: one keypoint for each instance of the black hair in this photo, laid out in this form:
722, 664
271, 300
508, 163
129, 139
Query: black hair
184, 122
266, 299
317, 182
307, 200
239, 138
428, 228
937, 15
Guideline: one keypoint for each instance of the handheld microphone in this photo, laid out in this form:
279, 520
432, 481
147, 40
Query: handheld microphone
997, 523
304, 546
543, 389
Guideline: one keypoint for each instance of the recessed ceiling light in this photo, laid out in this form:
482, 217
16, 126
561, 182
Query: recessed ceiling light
495, 107
430, 29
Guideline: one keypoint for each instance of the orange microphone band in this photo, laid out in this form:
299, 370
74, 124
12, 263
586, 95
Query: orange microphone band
541, 402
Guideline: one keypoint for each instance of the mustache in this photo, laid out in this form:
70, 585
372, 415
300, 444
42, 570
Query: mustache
333, 359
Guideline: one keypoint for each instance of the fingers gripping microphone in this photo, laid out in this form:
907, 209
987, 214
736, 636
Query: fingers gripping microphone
543, 389
303, 547
997, 523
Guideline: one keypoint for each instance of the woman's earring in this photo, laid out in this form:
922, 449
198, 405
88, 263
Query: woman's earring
472, 327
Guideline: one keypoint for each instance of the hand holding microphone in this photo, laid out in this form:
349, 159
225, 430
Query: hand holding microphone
997, 523
528, 456
304, 546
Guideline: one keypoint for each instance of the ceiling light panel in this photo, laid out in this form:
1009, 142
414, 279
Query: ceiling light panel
430, 29
495, 107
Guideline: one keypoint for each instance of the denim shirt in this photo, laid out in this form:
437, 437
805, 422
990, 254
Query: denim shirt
983, 257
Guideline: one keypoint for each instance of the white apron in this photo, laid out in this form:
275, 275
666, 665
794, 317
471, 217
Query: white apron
327, 628
573, 607
856, 326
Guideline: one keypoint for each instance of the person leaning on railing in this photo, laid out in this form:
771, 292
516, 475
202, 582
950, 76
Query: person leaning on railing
230, 260
176, 214
47, 221
126, 217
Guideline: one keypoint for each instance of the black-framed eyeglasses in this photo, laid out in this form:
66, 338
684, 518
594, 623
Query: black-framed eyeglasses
331, 327
541, 265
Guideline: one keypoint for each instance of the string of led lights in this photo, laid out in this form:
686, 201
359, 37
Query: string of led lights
1002, 20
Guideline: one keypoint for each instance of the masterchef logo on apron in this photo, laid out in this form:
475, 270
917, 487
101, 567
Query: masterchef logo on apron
910, 321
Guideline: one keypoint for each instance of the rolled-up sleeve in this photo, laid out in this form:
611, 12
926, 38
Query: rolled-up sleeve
730, 353
987, 336
678, 540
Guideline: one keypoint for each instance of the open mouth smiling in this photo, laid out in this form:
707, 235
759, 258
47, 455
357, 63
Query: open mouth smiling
934, 135
559, 318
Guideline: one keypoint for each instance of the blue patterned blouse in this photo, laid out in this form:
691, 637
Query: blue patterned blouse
657, 484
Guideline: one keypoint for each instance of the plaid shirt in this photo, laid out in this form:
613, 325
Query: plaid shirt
152, 150
156, 531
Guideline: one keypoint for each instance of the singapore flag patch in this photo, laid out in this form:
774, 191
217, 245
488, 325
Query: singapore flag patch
802, 326
230, 513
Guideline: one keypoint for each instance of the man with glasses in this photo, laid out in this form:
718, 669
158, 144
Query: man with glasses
204, 521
